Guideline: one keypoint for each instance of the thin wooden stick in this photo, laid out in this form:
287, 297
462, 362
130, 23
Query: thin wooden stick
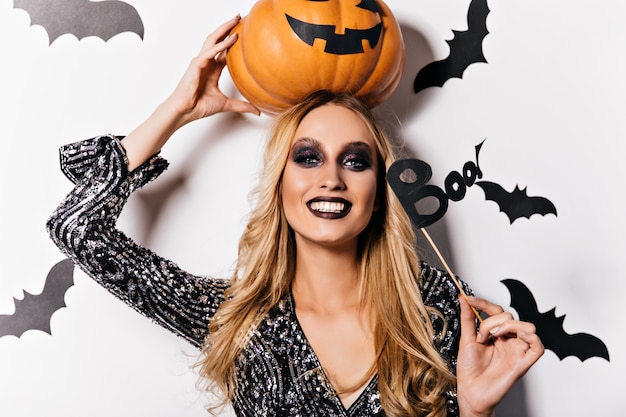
445, 264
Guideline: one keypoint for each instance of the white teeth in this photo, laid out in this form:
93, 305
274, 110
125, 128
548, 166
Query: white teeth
327, 206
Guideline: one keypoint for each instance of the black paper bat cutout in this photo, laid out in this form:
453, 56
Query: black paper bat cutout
550, 327
351, 42
465, 49
34, 312
517, 203
82, 18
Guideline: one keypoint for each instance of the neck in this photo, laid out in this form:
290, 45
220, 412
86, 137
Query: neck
326, 279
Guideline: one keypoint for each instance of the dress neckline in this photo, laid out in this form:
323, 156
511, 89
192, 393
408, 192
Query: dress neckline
369, 388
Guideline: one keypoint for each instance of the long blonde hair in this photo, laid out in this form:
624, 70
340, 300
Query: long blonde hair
412, 376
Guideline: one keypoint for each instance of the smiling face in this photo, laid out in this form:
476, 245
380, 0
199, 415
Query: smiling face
329, 180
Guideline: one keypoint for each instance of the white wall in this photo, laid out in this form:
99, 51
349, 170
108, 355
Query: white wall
549, 102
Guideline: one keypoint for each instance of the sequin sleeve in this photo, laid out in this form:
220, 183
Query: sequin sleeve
84, 227
440, 292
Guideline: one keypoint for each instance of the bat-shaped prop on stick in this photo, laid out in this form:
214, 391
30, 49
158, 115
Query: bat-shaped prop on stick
33, 312
408, 178
550, 327
82, 18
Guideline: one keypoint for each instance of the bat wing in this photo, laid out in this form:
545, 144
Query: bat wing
517, 203
465, 49
82, 18
550, 327
522, 300
581, 345
33, 312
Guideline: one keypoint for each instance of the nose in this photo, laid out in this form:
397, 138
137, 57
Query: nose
331, 178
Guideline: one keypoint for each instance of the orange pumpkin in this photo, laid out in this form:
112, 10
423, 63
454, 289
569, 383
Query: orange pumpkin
289, 48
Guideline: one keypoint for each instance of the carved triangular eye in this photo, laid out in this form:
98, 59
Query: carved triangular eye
370, 5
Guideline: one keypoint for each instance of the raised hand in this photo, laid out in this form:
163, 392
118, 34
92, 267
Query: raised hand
197, 94
493, 358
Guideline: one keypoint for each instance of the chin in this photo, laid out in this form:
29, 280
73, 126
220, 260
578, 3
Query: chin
332, 241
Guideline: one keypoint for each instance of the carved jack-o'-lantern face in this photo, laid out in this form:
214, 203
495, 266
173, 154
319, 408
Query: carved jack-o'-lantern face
349, 42
289, 48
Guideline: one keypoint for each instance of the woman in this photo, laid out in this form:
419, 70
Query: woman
328, 312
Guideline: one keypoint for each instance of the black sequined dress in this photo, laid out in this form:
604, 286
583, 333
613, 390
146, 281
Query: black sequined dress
278, 374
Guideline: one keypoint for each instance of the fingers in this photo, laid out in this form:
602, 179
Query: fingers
239, 106
503, 325
485, 306
491, 359
219, 41
495, 322
222, 31
468, 322
500, 324
197, 94
535, 350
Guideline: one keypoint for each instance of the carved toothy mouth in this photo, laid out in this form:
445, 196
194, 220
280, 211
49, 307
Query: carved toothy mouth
351, 42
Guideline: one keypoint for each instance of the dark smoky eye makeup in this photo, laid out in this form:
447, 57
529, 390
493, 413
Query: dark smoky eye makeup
306, 154
357, 157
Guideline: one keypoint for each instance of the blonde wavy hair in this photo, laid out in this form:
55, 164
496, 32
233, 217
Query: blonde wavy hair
412, 376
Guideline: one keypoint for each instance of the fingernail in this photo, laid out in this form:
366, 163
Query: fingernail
494, 331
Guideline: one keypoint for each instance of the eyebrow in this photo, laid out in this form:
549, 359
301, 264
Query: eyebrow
306, 141
348, 146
